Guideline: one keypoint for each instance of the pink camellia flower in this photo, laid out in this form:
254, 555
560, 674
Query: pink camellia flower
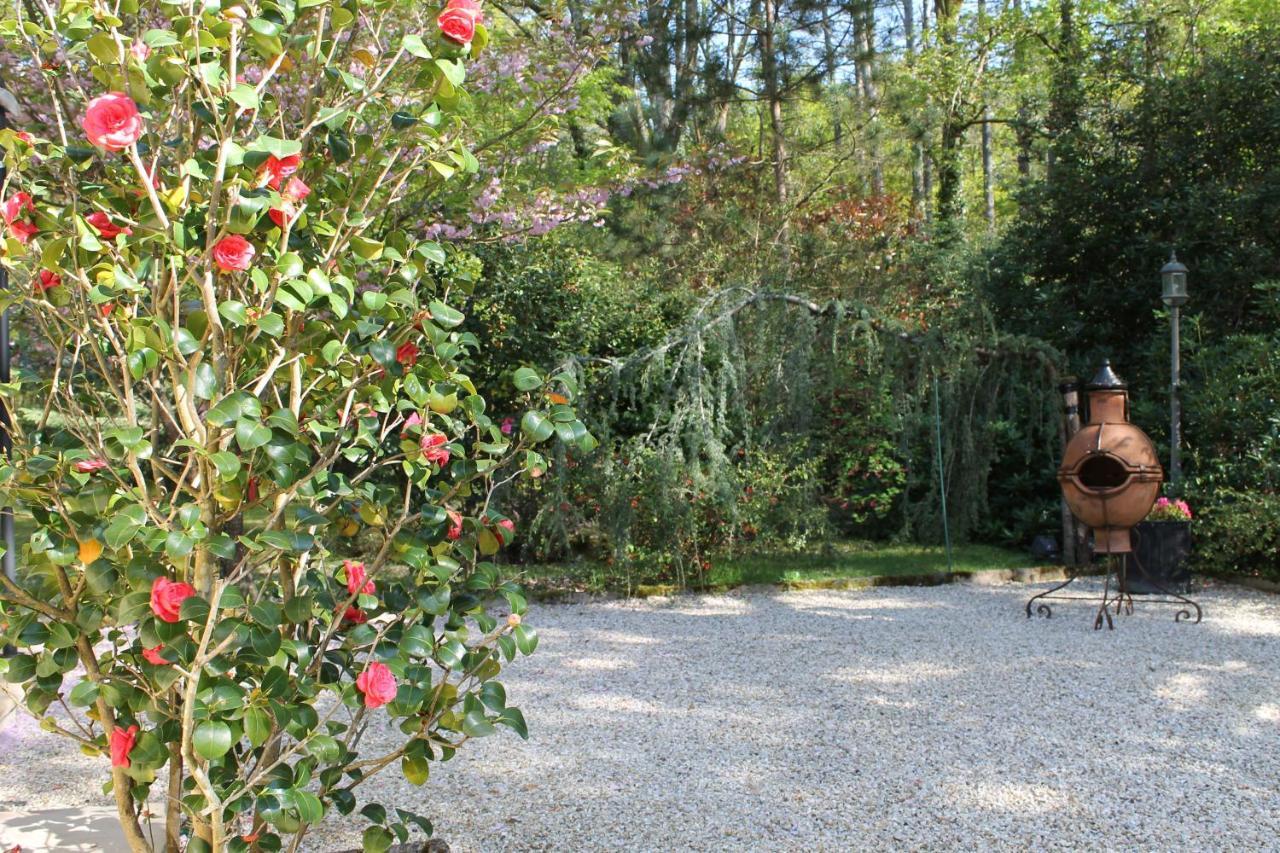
455, 526
354, 615
106, 229
47, 281
506, 525
121, 742
377, 684
407, 354
472, 6
233, 254
508, 425
433, 448
357, 579
89, 466
111, 121
413, 420
153, 656
167, 597
140, 50
457, 25
276, 169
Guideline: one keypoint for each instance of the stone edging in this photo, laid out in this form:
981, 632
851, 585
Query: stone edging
983, 577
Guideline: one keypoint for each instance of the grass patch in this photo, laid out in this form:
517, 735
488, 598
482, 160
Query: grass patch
837, 561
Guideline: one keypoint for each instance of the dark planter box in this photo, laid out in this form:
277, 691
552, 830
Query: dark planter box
1161, 553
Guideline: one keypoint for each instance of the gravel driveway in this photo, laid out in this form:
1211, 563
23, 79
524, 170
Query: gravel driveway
928, 718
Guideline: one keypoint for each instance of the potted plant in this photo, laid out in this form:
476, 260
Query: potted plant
1160, 560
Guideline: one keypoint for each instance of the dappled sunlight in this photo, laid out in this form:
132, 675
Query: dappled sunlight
1013, 797
905, 674
600, 664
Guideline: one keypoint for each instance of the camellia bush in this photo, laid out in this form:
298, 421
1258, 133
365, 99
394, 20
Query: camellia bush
261, 482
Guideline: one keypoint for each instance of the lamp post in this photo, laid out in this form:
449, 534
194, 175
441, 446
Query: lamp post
1173, 278
9, 567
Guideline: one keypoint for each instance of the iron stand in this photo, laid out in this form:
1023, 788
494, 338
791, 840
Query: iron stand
1117, 600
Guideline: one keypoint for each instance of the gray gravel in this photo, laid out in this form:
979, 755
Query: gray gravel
925, 718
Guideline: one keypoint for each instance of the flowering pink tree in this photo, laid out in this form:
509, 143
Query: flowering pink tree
261, 483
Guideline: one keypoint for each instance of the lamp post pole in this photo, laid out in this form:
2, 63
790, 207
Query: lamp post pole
1173, 277
1175, 405
6, 437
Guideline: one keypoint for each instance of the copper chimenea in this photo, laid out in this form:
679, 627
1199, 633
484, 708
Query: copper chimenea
1110, 473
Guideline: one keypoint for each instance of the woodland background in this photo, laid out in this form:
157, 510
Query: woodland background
761, 233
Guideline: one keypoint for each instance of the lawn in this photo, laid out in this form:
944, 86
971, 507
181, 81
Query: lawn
836, 563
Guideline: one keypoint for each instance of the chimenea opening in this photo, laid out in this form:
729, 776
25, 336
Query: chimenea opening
1102, 472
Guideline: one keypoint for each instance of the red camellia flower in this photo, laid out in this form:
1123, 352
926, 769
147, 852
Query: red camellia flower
89, 466
293, 192
23, 231
152, 655
455, 526
233, 254
357, 580
167, 597
407, 354
507, 525
11, 211
355, 615
377, 684
276, 169
16, 205
47, 281
121, 742
433, 448
111, 121
106, 229
457, 25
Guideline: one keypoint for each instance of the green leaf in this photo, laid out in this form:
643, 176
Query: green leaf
284, 420
206, 384
324, 748
257, 725
271, 324
526, 379
251, 434
475, 725
416, 769
245, 96
212, 739
514, 720
446, 171
536, 426
413, 45
454, 72
227, 463
377, 840
445, 316
526, 639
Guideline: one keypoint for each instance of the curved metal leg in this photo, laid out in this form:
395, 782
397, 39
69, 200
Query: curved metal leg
1183, 613
1043, 608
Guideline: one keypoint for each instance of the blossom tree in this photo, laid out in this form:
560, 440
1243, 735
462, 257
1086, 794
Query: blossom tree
260, 480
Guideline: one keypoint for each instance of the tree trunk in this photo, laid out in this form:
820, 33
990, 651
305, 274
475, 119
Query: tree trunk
988, 173
769, 69
865, 29
829, 57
